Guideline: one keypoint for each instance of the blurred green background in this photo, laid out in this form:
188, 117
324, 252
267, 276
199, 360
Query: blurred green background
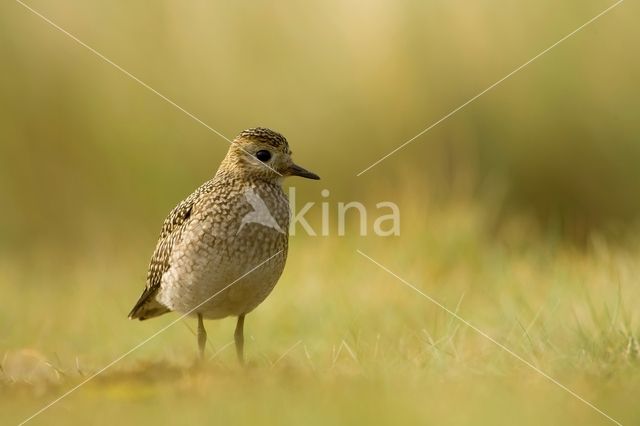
493, 201
86, 150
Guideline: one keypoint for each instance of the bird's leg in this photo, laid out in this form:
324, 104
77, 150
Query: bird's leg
202, 336
239, 338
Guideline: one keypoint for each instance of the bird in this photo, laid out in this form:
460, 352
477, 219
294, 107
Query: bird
260, 213
222, 249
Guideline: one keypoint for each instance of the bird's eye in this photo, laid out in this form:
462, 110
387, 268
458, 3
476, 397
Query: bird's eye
263, 155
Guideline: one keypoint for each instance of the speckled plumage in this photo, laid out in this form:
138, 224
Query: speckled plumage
205, 245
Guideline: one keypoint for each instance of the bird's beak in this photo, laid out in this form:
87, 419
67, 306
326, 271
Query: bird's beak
295, 170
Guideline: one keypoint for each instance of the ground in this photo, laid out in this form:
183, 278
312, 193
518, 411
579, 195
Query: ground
341, 340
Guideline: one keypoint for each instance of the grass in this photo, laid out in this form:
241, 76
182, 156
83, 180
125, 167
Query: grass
340, 340
90, 162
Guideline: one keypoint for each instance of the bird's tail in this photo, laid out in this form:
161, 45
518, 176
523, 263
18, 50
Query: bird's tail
147, 306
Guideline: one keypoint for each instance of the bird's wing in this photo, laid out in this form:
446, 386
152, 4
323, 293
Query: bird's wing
170, 234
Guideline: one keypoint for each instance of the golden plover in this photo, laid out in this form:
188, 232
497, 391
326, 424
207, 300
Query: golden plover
222, 250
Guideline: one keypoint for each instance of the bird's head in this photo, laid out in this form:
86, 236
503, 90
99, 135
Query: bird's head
263, 153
